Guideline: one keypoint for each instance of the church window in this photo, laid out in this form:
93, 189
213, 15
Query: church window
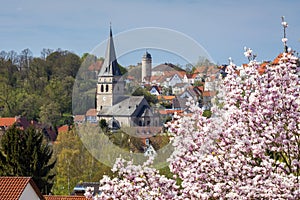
106, 88
102, 88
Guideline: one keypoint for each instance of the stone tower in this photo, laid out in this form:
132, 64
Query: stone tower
110, 87
146, 67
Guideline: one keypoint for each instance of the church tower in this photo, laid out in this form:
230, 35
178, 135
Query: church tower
146, 67
110, 87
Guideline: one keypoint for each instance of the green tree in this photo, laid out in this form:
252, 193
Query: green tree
103, 125
123, 69
198, 83
148, 96
36, 79
25, 153
207, 113
49, 113
74, 163
63, 63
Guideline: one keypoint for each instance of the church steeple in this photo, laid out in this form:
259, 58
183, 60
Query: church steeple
110, 86
110, 66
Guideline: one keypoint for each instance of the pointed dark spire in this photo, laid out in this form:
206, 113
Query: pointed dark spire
110, 66
110, 31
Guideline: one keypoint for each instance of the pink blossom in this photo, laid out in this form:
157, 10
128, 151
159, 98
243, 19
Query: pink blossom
249, 149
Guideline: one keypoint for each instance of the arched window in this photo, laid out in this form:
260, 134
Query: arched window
106, 88
102, 88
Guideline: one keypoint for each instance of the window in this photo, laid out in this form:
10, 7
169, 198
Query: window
102, 88
106, 88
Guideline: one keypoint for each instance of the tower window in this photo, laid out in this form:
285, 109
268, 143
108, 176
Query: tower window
106, 88
102, 88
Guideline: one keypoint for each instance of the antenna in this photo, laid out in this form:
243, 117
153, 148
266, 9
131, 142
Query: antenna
284, 39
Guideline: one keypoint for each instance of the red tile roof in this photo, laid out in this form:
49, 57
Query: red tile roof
91, 112
166, 112
56, 197
209, 93
79, 118
11, 188
9, 121
164, 97
277, 59
200, 88
63, 129
193, 76
206, 69
96, 66
166, 75
262, 68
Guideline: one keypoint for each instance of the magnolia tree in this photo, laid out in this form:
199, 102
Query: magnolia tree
249, 148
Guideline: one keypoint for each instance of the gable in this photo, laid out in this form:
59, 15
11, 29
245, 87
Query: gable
176, 79
140, 109
185, 94
29, 193
12, 188
154, 91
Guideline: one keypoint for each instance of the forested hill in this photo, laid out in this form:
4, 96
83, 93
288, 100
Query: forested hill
38, 88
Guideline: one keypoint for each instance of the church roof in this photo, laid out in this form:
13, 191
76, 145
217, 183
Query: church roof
110, 66
126, 107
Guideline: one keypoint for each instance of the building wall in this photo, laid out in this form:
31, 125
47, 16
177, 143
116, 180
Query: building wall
109, 91
174, 80
104, 92
29, 193
124, 121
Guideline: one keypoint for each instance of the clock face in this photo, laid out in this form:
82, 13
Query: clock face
104, 98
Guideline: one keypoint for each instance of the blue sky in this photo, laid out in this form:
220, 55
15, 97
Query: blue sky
223, 28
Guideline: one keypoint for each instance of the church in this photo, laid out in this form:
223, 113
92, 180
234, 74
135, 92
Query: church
120, 110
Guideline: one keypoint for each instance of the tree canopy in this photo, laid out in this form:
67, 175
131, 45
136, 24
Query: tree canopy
74, 163
26, 153
29, 85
